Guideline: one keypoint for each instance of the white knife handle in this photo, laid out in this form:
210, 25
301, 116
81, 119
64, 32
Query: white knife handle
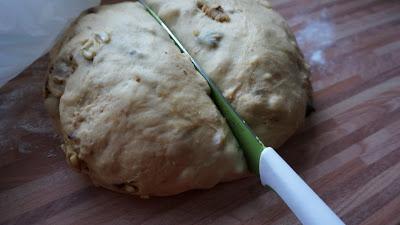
300, 198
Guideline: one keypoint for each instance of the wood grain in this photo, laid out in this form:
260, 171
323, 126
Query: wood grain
348, 150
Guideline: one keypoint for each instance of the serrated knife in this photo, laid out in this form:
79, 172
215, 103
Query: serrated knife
264, 161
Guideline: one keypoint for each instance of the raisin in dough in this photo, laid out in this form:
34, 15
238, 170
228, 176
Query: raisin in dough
250, 53
135, 115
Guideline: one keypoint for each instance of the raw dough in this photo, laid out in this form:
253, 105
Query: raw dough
135, 115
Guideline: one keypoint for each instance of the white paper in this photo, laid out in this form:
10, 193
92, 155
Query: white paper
28, 28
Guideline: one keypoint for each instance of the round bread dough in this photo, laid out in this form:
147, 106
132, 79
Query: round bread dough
135, 115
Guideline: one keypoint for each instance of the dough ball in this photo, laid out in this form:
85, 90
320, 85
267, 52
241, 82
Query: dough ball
135, 115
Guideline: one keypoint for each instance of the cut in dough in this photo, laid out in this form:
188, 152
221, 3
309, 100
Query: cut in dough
135, 115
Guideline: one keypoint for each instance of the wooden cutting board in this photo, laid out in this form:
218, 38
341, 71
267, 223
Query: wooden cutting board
348, 150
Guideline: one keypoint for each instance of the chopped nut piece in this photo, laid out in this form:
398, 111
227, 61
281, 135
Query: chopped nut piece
90, 46
102, 37
87, 44
214, 12
89, 55
211, 39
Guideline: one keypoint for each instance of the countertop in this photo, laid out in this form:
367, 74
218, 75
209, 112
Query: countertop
348, 150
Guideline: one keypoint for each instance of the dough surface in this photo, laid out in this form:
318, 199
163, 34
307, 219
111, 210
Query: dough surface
135, 115
249, 51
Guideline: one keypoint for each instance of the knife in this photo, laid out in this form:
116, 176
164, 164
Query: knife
264, 161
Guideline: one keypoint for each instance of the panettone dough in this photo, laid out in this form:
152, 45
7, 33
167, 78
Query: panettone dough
135, 115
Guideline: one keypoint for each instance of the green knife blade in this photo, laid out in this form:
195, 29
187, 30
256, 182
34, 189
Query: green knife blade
248, 141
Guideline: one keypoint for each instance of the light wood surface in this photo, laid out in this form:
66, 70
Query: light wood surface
348, 150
